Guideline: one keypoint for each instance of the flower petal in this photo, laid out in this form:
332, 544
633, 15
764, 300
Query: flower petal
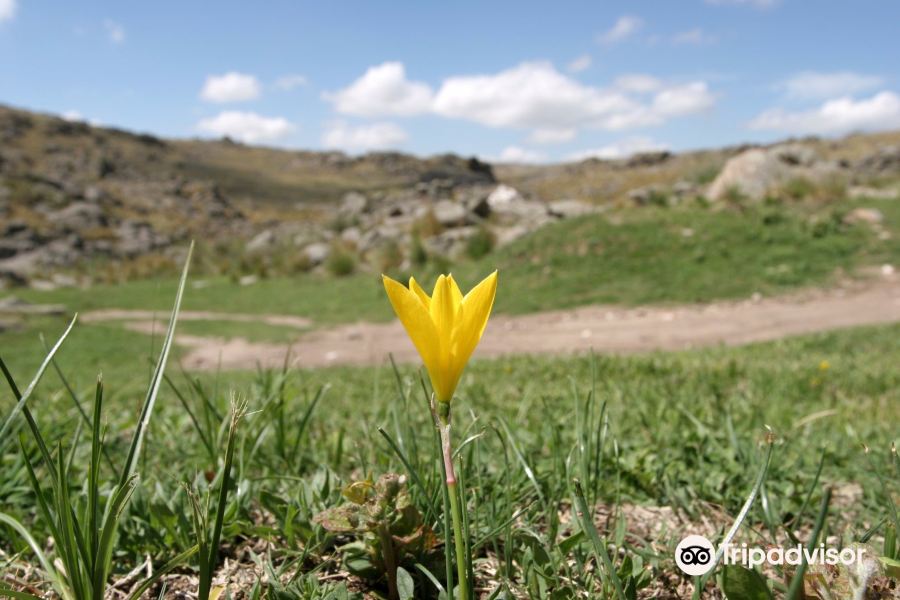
442, 309
455, 294
416, 321
473, 318
422, 294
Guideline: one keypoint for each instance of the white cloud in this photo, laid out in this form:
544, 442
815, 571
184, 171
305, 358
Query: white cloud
375, 136
76, 117
536, 96
580, 64
7, 10
620, 149
637, 83
812, 85
552, 136
625, 27
517, 155
382, 90
114, 30
753, 3
694, 37
681, 100
287, 83
230, 87
533, 96
246, 126
841, 115
530, 95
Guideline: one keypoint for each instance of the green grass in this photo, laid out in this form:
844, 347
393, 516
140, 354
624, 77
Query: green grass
648, 258
687, 430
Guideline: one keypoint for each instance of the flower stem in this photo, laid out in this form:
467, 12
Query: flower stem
441, 415
460, 543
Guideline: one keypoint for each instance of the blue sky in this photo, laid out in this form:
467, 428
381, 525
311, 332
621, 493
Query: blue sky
516, 80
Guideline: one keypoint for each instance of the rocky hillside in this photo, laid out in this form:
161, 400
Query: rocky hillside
76, 199
868, 159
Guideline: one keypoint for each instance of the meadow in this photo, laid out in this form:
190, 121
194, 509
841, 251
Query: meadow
630, 257
579, 474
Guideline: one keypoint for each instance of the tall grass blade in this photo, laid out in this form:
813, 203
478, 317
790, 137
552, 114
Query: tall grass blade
147, 409
797, 582
608, 570
745, 509
23, 398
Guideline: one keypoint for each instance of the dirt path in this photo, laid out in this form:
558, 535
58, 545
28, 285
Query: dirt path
598, 328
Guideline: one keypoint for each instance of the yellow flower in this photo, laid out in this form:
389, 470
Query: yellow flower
824, 365
445, 327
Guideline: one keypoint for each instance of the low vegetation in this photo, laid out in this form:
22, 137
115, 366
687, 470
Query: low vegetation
659, 446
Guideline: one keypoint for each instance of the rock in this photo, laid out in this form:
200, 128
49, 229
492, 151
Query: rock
42, 285
78, 216
885, 161
684, 189
752, 173
317, 253
795, 154
351, 235
506, 235
648, 159
377, 236
18, 269
248, 280
17, 237
451, 242
449, 213
261, 241
138, 237
565, 209
648, 194
502, 196
475, 200
510, 207
63, 280
870, 216
11, 305
93, 193
758, 172
353, 204
858, 191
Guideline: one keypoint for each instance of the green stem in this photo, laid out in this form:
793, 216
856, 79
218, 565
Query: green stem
441, 414
458, 539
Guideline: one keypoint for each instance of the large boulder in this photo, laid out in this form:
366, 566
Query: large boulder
449, 213
886, 161
759, 172
353, 204
565, 209
511, 207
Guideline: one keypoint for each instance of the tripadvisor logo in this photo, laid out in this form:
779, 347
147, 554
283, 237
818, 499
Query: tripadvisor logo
695, 555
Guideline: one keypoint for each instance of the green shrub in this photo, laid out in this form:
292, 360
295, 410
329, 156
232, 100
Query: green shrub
418, 255
481, 243
798, 188
389, 256
340, 262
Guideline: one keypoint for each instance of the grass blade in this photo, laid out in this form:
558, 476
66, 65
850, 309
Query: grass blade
587, 525
147, 409
23, 398
797, 581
